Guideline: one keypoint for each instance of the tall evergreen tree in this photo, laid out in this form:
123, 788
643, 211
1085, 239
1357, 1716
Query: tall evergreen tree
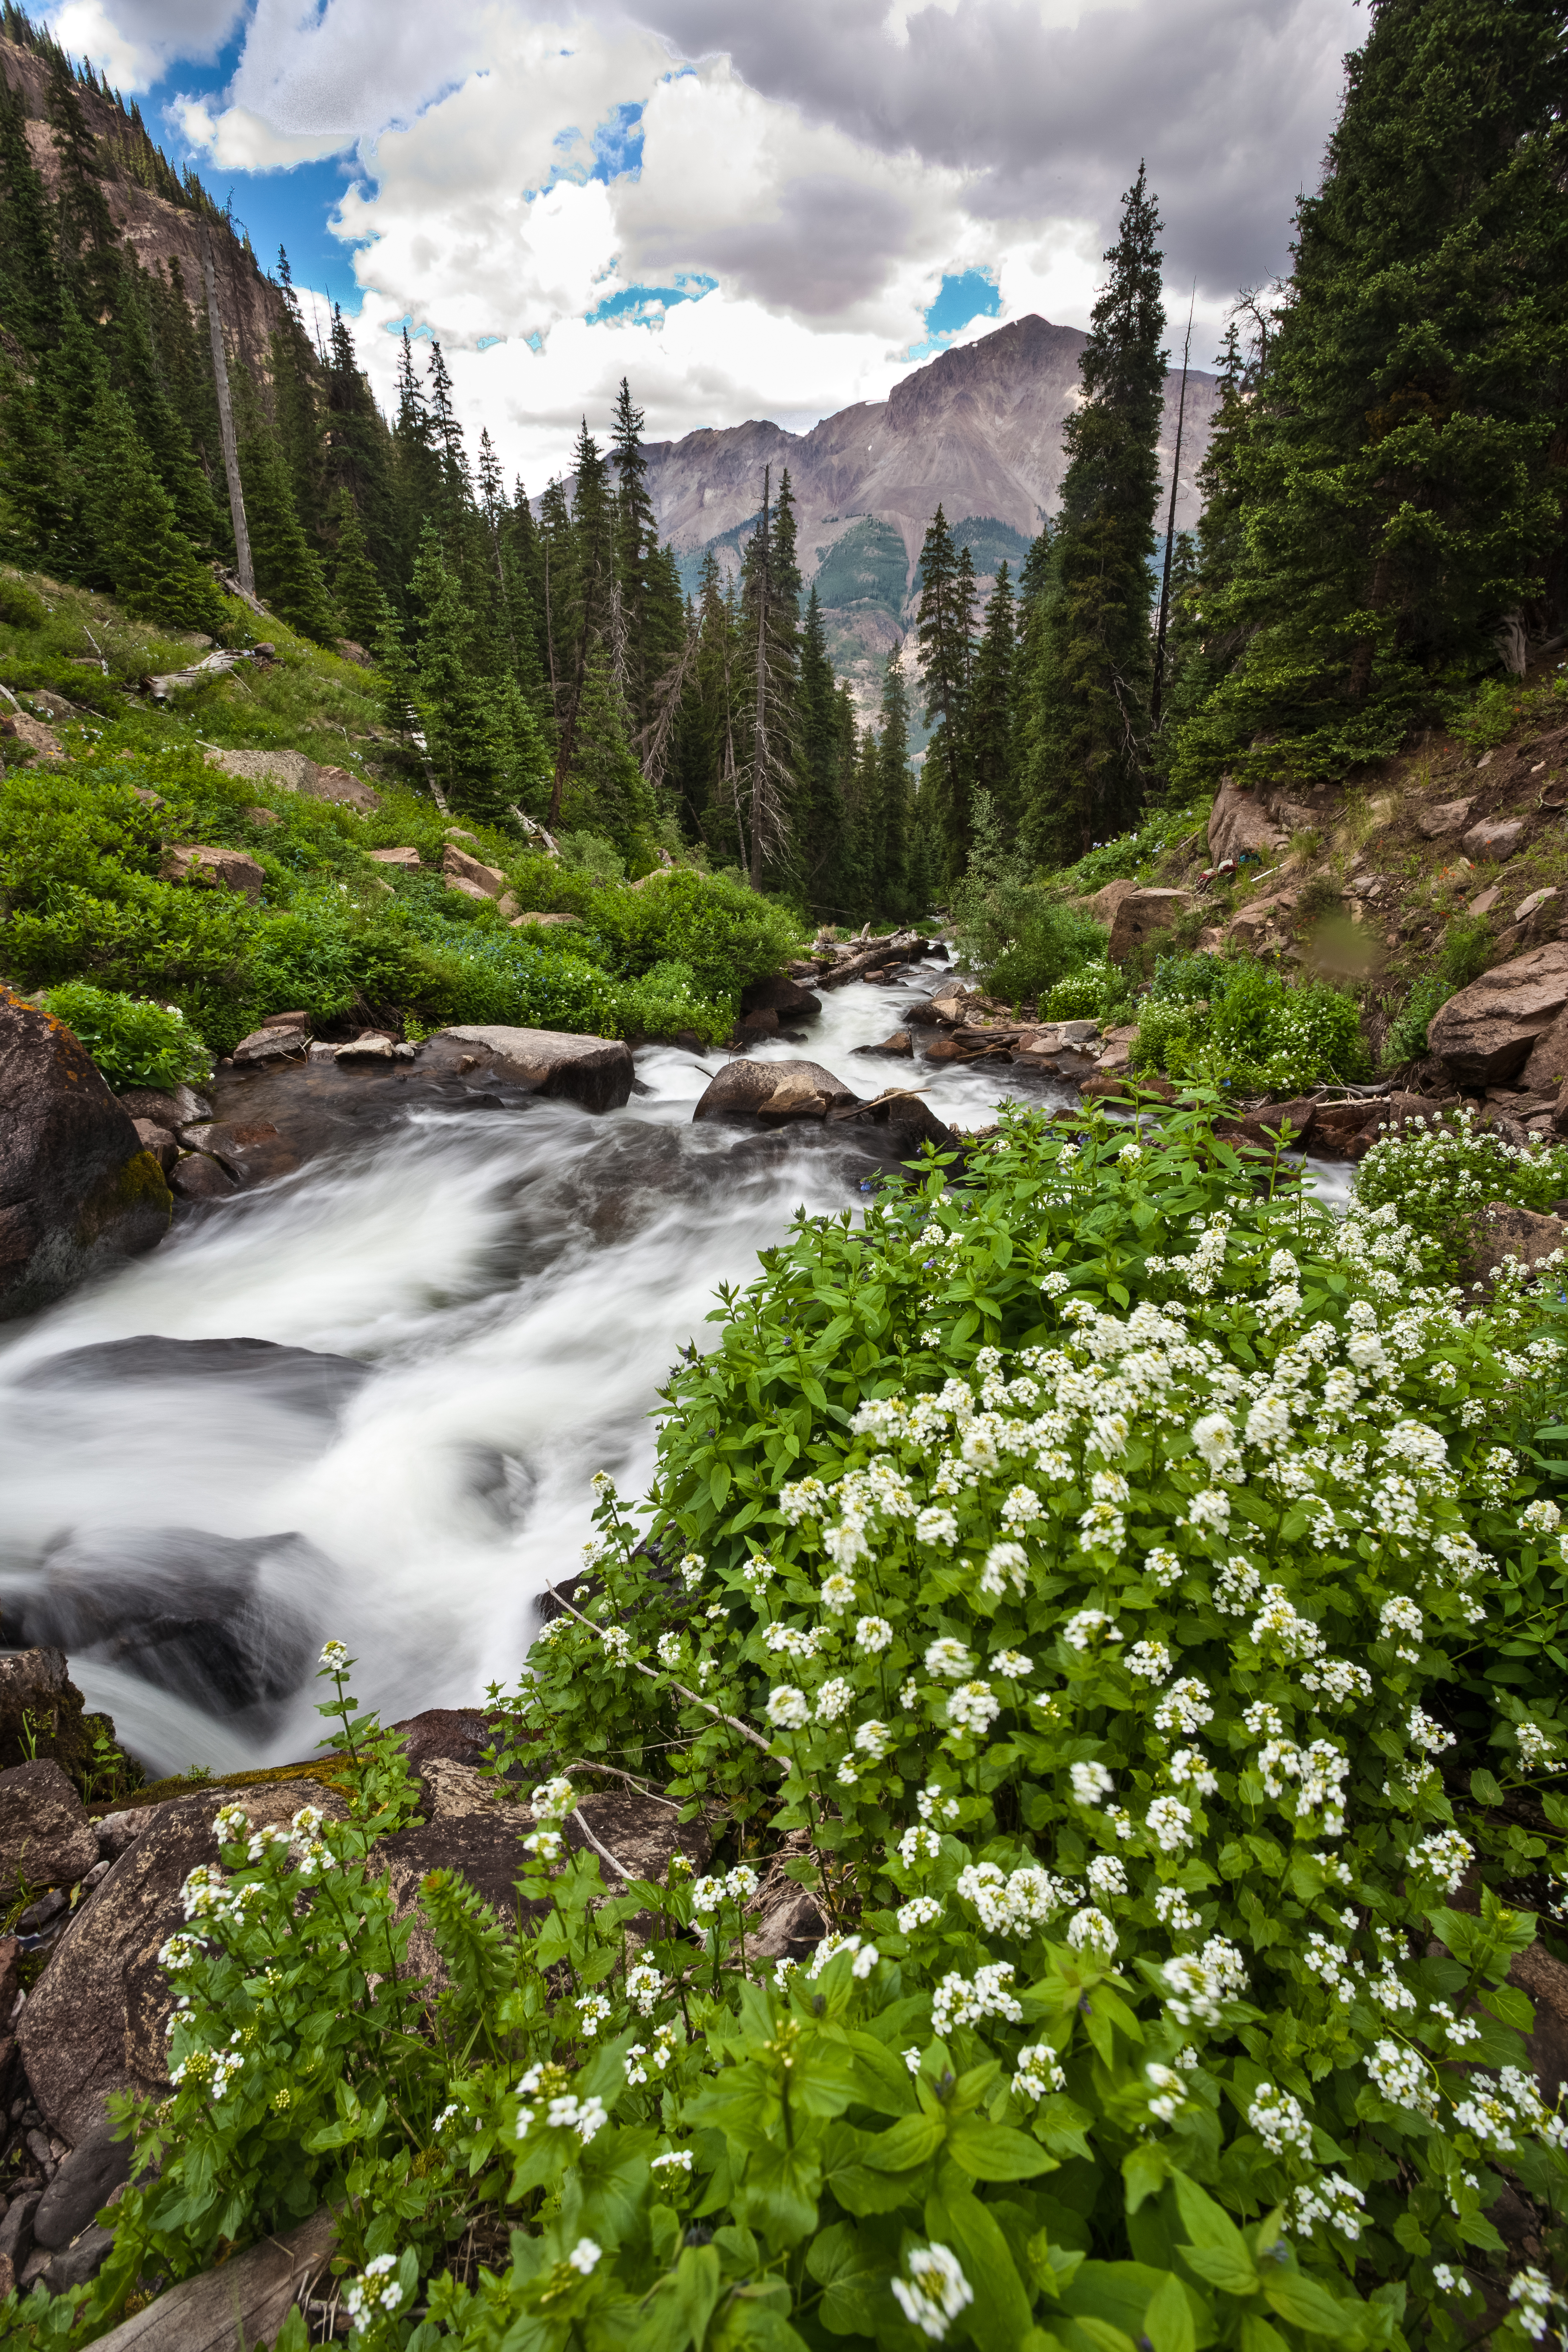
138, 374
820, 807
942, 633
361, 599
636, 536
140, 551
991, 733
29, 265
1402, 463
890, 877
359, 454
288, 573
483, 743
770, 613
585, 552
295, 402
1090, 688
88, 244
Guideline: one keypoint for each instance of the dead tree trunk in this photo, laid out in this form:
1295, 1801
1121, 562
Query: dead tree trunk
244, 568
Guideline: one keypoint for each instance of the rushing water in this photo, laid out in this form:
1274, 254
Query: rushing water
518, 1284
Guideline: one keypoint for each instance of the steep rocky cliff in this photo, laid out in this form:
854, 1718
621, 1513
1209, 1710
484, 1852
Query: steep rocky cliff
156, 228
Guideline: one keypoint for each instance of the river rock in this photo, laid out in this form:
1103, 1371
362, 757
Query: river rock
171, 1107
196, 1177
163, 1147
78, 1188
94, 2021
42, 1710
594, 1071
1240, 824
221, 1620
899, 1046
275, 1041
252, 1153
779, 992
1484, 1035
459, 867
898, 1118
46, 1839
300, 1381
1141, 916
764, 1022
407, 860
222, 869
742, 1087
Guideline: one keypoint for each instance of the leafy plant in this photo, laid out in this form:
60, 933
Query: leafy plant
1439, 1177
134, 1043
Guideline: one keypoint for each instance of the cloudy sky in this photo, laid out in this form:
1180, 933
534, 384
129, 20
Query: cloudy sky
758, 208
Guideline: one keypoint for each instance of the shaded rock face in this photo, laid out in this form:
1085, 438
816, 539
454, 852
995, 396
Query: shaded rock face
1502, 1231
780, 992
94, 2021
1485, 1033
45, 1838
296, 1377
218, 1619
78, 1188
742, 1087
41, 1709
1141, 914
1240, 824
596, 1072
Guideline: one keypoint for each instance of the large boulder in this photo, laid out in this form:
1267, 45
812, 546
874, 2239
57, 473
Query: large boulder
42, 1713
594, 1071
95, 2020
336, 784
285, 771
1485, 1034
743, 1088
295, 1380
1141, 914
1438, 819
779, 992
46, 1839
459, 868
1102, 906
214, 868
1240, 825
213, 1618
78, 1188
1503, 1230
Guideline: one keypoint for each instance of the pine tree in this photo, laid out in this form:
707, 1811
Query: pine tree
361, 599
820, 812
137, 373
769, 614
894, 788
582, 597
138, 550
29, 265
943, 635
992, 732
416, 470
1401, 463
88, 244
483, 744
445, 442
296, 402
41, 523
1090, 685
1200, 651
288, 569
359, 456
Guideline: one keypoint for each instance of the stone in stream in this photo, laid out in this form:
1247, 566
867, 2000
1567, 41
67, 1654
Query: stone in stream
743, 1088
171, 1107
78, 1187
213, 1618
898, 1047
782, 994
301, 1379
594, 1071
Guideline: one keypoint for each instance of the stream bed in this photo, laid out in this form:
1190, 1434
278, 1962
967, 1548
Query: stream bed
508, 1290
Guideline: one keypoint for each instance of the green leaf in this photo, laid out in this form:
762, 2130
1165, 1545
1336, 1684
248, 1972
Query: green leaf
988, 2151
1208, 2224
913, 2139
1144, 2169
851, 2275
1484, 1789
1305, 2303
1232, 2273
718, 1485
1168, 2321
1000, 2313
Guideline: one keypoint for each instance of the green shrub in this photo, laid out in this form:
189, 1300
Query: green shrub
1407, 1038
1233, 1021
1439, 1177
596, 859
1070, 1578
1465, 950
1133, 855
19, 607
134, 1043
1087, 995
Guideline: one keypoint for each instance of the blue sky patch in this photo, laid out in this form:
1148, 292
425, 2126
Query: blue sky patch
966, 295
642, 305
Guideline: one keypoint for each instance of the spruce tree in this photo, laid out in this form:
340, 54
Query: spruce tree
360, 597
636, 535
942, 632
1401, 463
992, 734
1201, 651
770, 621
1093, 671
359, 456
415, 466
288, 574
585, 552
137, 373
89, 243
894, 788
28, 265
138, 552
820, 812
296, 405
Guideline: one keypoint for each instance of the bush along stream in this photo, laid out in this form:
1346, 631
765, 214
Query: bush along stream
1117, 1606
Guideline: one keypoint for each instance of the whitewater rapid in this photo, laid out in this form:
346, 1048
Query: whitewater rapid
518, 1284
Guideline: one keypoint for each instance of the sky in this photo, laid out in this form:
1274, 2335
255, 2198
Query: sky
769, 208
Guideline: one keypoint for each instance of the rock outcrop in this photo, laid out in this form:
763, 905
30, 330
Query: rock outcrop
594, 1071
1241, 825
1485, 1034
45, 1838
78, 1187
743, 1088
1141, 914
1503, 1230
216, 868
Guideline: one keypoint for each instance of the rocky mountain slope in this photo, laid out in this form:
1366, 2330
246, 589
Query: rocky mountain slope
977, 431
160, 220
